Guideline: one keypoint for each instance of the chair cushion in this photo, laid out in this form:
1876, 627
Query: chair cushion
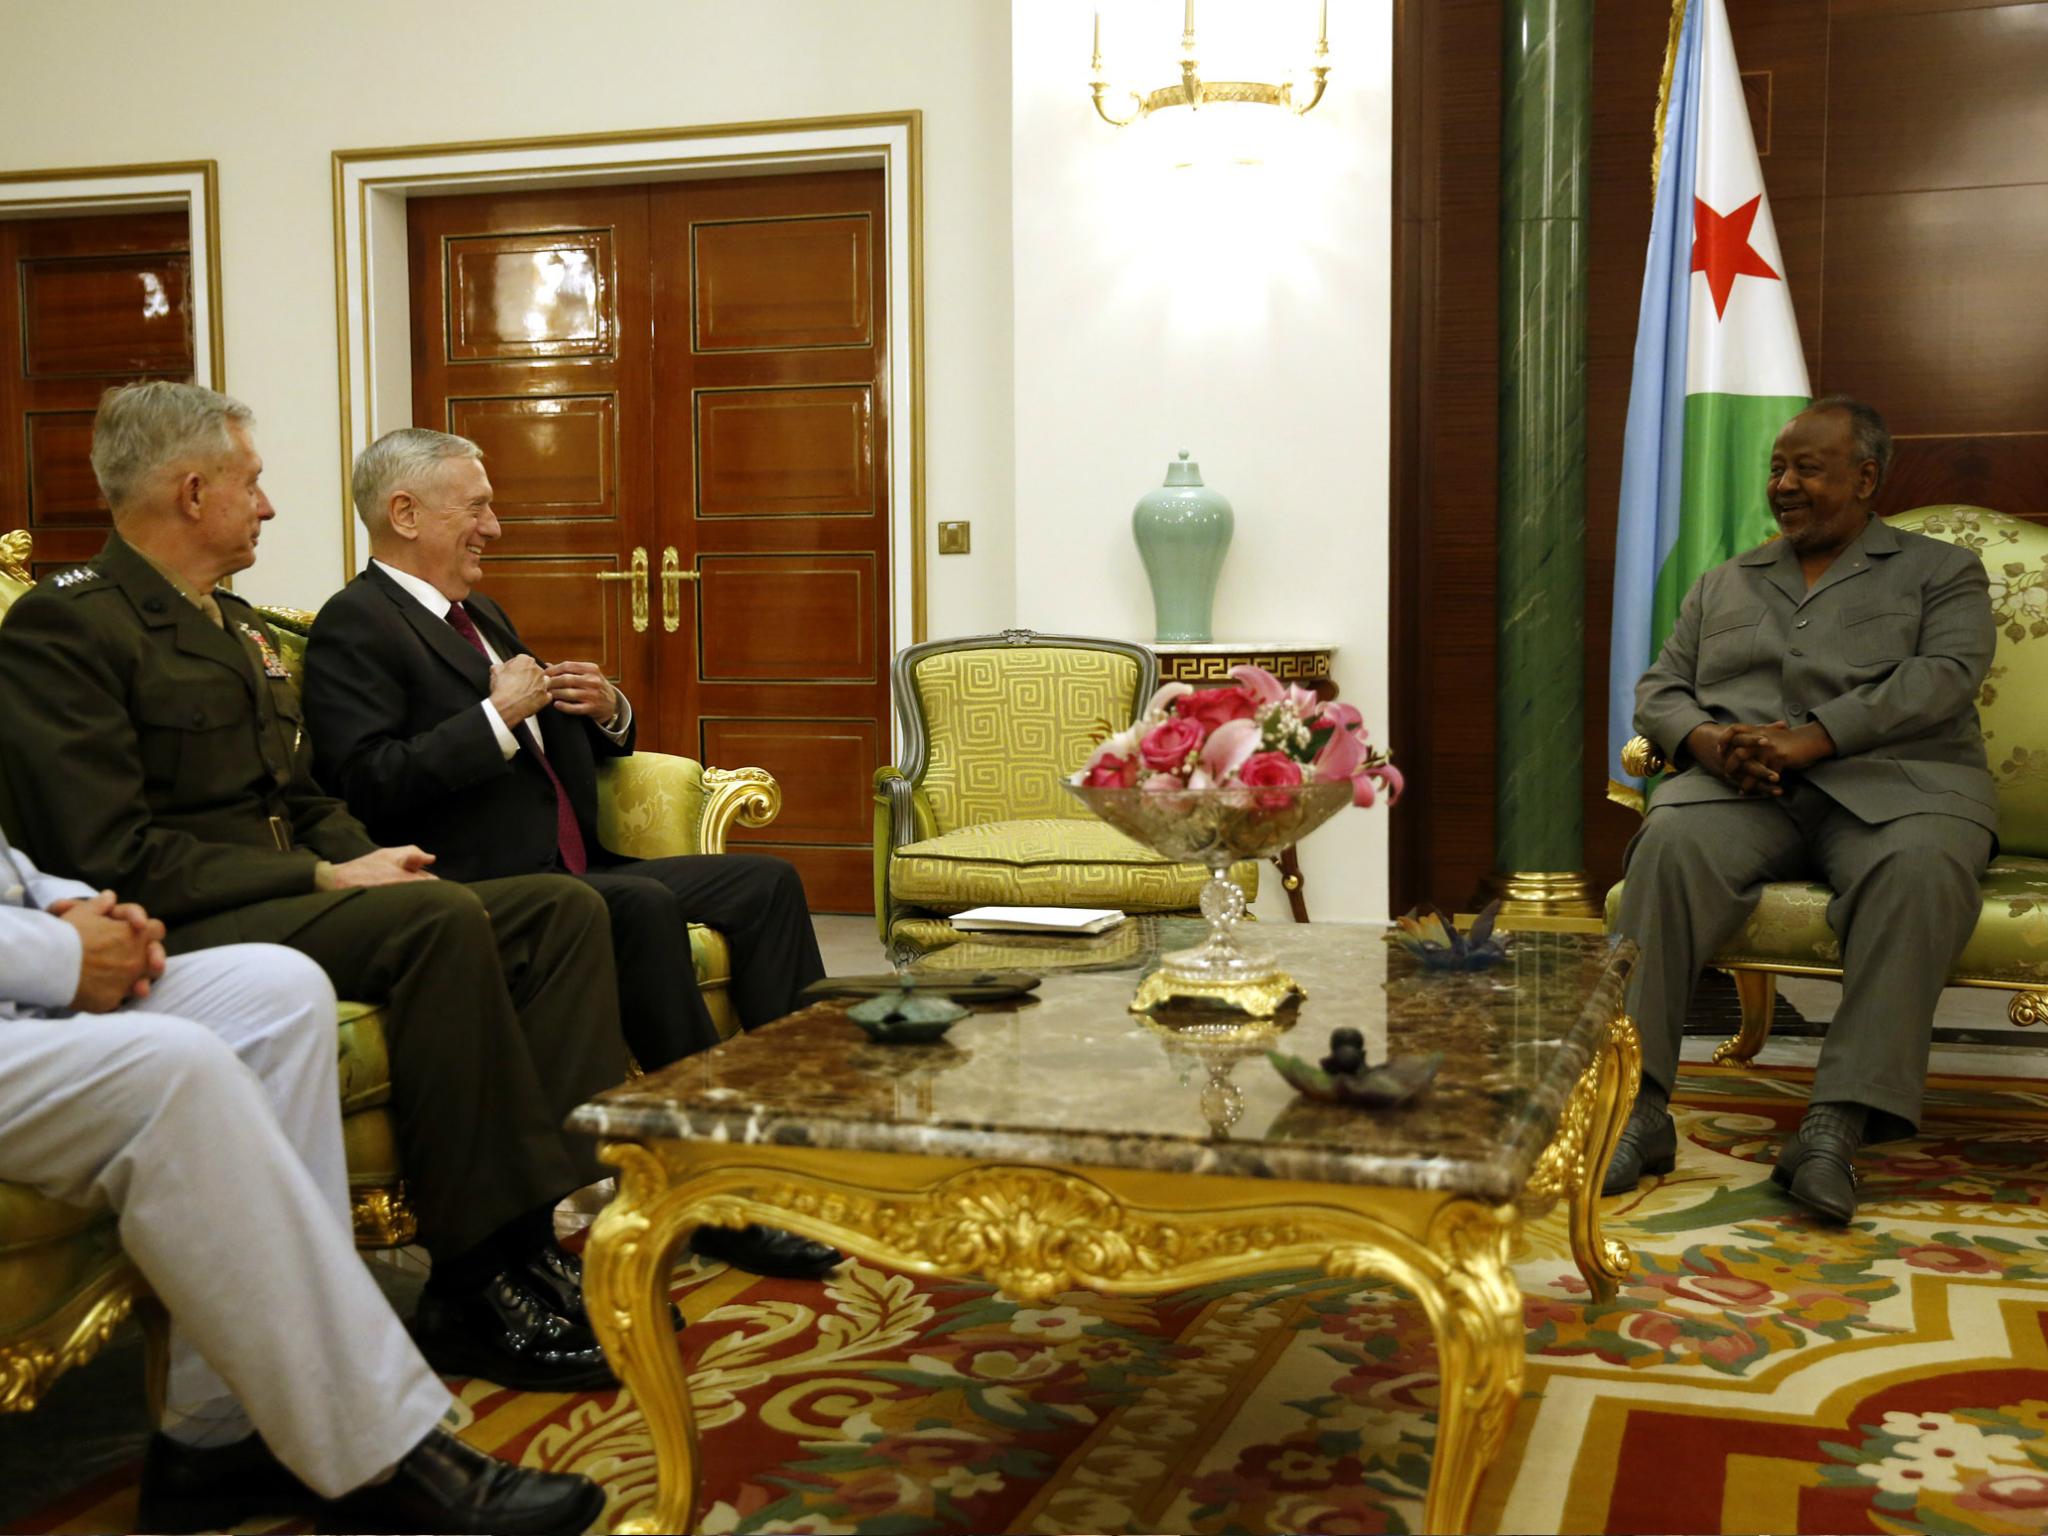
1046, 863
2009, 945
365, 1057
38, 1277
29, 1219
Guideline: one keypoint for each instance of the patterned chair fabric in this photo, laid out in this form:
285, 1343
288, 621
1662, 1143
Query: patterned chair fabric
64, 1282
978, 813
1788, 932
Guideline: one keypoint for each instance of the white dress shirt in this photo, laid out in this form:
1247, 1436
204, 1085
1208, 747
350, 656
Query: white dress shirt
429, 597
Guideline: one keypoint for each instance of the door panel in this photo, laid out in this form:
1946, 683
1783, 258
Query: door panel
787, 619
530, 337
823, 766
783, 282
549, 458
785, 452
85, 303
62, 492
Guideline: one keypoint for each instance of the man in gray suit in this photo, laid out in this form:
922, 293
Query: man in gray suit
1817, 703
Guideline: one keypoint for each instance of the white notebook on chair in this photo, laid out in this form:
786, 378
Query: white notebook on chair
1080, 920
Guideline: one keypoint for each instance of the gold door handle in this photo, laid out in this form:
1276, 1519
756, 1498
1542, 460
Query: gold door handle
638, 576
672, 578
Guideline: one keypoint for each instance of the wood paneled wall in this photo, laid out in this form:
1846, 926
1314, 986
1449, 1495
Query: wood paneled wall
1905, 149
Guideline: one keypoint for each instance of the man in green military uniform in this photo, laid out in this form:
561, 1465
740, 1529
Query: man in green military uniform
154, 746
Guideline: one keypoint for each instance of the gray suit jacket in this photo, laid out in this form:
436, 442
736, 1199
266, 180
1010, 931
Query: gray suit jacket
1886, 651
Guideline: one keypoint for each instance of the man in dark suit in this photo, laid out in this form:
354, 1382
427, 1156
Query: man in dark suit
432, 719
1817, 703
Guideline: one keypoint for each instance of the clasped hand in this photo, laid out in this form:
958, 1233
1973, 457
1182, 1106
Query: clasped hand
122, 950
522, 688
1756, 759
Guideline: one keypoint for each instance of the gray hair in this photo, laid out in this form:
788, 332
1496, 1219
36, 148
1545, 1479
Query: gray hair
1870, 438
143, 429
400, 461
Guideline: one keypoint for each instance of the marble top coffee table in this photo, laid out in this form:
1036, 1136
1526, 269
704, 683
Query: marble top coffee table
1065, 1143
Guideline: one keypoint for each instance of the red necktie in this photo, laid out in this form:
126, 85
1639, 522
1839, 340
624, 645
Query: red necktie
568, 836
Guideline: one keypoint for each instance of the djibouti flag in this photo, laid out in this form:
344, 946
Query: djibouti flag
1718, 368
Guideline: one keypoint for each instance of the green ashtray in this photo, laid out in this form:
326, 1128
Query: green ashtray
906, 1018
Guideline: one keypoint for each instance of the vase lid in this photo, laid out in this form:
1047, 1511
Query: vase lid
1185, 472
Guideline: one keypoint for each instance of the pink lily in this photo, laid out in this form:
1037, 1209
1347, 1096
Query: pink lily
1262, 685
1229, 745
1342, 756
1167, 693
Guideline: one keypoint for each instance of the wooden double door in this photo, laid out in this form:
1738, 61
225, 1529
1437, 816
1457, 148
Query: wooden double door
681, 393
86, 302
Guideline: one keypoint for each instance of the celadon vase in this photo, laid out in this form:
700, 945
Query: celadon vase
1183, 531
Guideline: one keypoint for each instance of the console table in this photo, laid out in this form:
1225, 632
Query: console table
1208, 664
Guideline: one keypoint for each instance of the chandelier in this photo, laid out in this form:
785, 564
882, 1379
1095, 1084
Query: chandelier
1194, 92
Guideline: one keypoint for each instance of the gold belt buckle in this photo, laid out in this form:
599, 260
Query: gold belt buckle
281, 834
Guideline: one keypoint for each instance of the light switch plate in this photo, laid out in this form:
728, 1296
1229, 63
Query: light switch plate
953, 538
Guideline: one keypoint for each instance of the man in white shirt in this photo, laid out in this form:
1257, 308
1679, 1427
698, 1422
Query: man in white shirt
198, 1098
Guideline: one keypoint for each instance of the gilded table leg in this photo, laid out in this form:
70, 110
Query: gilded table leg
626, 1270
1604, 1101
1475, 1309
1758, 993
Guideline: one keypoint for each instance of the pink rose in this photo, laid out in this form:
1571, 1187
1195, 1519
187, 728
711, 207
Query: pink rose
1166, 746
1211, 707
1270, 771
1112, 772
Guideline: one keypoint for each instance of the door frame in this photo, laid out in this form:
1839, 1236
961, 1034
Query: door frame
372, 302
193, 185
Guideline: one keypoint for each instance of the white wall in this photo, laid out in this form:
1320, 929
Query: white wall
270, 89
1239, 311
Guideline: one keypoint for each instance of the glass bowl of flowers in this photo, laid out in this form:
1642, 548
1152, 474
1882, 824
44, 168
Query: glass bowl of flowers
1215, 775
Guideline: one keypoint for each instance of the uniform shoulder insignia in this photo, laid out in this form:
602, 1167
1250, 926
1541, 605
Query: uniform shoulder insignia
77, 576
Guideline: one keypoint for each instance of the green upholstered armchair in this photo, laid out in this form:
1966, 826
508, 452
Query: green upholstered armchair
978, 813
1788, 934
64, 1284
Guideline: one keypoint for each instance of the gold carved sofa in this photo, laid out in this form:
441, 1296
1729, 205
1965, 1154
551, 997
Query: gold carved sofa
1788, 934
64, 1284
978, 813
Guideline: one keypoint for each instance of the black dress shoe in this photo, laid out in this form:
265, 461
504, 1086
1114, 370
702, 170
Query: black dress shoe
186, 1488
557, 1278
445, 1485
1816, 1165
1648, 1144
766, 1251
508, 1334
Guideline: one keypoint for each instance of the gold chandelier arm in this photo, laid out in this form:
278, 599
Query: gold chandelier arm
1098, 89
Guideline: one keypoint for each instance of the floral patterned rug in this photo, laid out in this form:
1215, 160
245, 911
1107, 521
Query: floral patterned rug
1758, 1374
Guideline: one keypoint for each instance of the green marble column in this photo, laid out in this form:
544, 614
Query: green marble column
1545, 115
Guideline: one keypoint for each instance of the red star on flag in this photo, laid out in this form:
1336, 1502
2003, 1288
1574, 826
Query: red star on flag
1721, 249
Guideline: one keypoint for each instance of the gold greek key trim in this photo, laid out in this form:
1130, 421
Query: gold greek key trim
383, 1218
70, 1336
16, 550
1214, 667
744, 797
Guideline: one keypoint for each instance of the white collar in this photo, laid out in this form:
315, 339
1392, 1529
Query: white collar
422, 591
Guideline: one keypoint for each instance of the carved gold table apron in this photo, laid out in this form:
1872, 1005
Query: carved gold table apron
1039, 1153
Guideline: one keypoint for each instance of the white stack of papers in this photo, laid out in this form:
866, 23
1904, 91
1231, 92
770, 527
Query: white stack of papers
1080, 920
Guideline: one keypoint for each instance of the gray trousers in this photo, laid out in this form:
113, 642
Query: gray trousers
211, 1124
1906, 900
